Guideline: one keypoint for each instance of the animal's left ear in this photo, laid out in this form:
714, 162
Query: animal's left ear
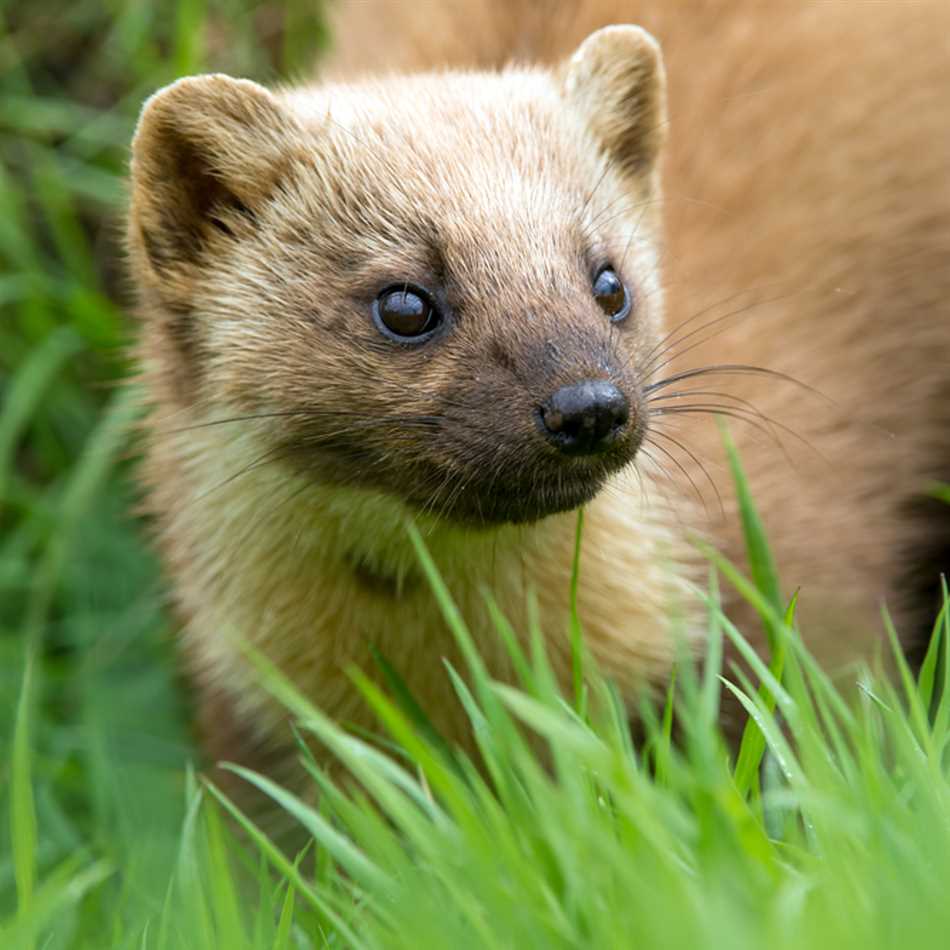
617, 83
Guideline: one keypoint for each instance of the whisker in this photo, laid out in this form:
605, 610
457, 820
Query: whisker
716, 410
251, 417
752, 418
687, 475
271, 455
733, 369
633, 234
608, 165
604, 220
597, 221
665, 435
643, 488
672, 352
723, 301
307, 413
675, 509
715, 394
684, 393
231, 419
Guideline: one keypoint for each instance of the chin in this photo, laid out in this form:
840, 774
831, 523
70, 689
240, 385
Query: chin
489, 509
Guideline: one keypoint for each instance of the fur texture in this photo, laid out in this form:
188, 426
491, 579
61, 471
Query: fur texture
807, 209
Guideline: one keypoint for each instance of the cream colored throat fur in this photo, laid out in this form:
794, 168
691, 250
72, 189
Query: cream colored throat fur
270, 564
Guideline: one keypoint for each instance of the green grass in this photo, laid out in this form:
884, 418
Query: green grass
829, 828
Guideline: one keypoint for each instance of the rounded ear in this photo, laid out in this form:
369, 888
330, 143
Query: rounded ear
617, 82
206, 152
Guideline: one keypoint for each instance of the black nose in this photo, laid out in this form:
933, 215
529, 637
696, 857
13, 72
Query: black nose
585, 418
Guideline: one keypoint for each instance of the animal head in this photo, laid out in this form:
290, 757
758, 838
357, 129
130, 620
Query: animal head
443, 287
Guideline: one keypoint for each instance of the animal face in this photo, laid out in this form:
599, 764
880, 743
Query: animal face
455, 312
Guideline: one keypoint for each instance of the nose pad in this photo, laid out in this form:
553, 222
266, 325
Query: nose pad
584, 418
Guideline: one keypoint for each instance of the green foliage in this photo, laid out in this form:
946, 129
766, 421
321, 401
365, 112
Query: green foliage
831, 828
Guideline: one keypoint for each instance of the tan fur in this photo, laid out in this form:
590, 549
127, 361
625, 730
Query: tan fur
807, 205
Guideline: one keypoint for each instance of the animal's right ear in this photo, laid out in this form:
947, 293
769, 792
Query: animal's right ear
207, 151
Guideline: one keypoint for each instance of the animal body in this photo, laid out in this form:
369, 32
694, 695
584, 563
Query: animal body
462, 280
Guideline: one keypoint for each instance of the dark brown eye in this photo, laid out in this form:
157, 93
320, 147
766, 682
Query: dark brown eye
406, 313
611, 295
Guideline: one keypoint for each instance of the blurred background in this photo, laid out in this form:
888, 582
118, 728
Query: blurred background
85, 648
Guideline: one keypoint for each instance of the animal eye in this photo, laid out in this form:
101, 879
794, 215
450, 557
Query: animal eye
406, 313
611, 294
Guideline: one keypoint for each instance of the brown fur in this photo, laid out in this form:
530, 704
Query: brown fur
807, 212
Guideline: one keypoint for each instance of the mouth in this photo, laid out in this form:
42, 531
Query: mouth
550, 500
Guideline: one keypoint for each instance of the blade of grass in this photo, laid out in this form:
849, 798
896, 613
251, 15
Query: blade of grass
918, 713
941, 717
509, 638
408, 704
712, 669
351, 858
228, 915
285, 921
23, 832
765, 579
934, 659
761, 563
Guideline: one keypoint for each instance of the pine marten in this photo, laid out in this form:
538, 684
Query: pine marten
445, 284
